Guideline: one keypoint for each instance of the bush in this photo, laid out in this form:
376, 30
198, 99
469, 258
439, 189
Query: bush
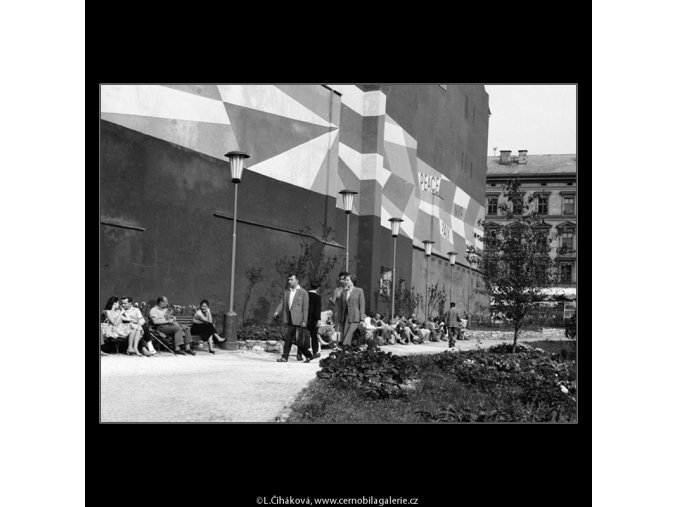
542, 387
375, 373
570, 329
258, 332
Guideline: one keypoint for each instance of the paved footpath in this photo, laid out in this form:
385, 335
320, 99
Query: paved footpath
229, 386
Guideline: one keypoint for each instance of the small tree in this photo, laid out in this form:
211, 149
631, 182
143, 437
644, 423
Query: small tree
254, 276
515, 259
312, 264
436, 298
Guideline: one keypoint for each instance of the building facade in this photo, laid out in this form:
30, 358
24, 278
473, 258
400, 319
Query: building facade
415, 152
551, 179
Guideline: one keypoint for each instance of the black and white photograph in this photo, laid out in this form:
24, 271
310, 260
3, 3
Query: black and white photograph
338, 253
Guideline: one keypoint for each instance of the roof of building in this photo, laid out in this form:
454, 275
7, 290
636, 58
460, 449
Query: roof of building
536, 164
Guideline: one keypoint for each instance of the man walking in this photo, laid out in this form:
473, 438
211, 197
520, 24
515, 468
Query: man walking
294, 306
352, 310
314, 315
338, 300
453, 324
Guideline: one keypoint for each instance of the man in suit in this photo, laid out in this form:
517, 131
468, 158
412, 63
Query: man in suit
294, 306
352, 310
314, 315
453, 324
338, 300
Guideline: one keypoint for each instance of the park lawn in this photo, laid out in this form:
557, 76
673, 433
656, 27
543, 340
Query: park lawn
434, 393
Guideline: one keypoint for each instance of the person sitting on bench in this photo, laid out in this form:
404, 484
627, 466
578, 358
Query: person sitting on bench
203, 325
120, 326
166, 324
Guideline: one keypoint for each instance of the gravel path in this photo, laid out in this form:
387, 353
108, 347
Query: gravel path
230, 386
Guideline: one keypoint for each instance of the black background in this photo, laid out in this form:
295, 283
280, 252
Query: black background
440, 464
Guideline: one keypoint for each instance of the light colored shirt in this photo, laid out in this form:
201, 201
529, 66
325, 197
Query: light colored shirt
134, 314
207, 317
158, 315
292, 293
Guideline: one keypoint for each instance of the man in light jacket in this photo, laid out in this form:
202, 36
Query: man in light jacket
294, 307
352, 310
453, 324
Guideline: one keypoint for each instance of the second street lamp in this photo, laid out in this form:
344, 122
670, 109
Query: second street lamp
236, 159
395, 230
348, 196
452, 261
428, 252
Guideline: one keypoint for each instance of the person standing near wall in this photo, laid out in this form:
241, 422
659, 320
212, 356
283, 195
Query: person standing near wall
352, 310
453, 323
314, 315
338, 300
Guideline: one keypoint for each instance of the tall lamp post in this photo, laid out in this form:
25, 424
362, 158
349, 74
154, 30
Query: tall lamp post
236, 159
395, 230
428, 252
473, 265
452, 261
348, 196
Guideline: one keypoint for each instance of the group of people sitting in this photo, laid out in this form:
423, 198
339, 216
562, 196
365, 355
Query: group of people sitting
122, 319
377, 330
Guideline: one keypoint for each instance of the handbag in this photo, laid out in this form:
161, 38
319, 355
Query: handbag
302, 338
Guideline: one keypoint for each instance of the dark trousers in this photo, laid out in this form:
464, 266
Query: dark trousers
291, 334
313, 338
204, 330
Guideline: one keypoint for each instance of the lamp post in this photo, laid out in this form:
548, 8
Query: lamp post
236, 160
452, 261
428, 252
395, 230
348, 196
473, 265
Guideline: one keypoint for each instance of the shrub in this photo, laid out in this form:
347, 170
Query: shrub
375, 373
543, 386
258, 332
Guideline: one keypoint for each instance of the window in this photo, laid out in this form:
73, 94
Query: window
542, 205
492, 206
517, 206
565, 273
568, 239
568, 207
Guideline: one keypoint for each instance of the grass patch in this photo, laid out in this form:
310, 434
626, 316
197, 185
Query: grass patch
473, 386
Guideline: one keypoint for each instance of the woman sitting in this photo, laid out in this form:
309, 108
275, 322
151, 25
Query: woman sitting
121, 326
204, 327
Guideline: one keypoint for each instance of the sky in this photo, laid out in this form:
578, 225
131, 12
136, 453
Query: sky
537, 118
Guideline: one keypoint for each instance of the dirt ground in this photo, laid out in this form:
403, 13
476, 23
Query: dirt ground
230, 386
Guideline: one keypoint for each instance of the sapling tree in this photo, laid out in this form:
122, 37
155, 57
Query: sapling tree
514, 259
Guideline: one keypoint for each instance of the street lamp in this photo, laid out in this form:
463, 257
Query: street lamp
472, 259
428, 252
395, 230
348, 196
236, 160
452, 261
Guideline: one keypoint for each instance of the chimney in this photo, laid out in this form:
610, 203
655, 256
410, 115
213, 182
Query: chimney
522, 157
505, 157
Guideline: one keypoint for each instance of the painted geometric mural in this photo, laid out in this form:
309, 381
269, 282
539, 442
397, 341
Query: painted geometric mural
309, 137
